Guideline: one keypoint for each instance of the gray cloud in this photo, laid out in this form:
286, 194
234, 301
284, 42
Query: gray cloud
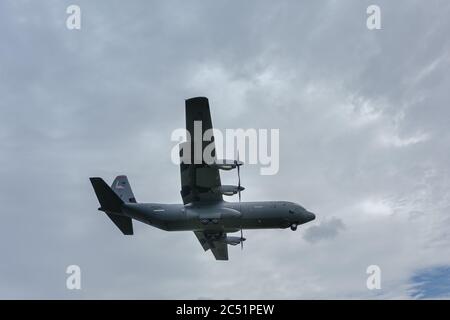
363, 138
328, 229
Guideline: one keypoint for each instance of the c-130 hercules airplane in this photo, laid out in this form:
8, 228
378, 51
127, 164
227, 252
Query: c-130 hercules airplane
203, 210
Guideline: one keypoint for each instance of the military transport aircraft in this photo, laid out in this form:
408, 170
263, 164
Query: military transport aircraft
203, 210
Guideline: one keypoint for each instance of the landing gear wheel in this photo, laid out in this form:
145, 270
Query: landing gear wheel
293, 226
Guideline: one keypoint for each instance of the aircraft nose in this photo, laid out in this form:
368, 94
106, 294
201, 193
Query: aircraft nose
310, 216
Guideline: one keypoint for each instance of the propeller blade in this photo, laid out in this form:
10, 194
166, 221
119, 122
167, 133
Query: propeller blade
239, 176
239, 192
238, 169
240, 210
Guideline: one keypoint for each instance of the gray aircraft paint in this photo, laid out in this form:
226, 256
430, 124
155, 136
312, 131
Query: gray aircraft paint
203, 210
219, 216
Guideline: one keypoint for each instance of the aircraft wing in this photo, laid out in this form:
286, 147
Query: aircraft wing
198, 180
218, 248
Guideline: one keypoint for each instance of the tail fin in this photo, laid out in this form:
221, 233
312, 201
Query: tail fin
111, 204
122, 188
108, 199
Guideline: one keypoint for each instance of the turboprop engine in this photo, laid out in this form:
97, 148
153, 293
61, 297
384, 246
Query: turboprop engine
233, 240
228, 190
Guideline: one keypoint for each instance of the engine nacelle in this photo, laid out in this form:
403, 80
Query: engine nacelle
228, 190
226, 164
233, 240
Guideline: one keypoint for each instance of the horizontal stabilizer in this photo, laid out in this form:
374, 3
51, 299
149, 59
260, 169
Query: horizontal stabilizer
123, 223
111, 204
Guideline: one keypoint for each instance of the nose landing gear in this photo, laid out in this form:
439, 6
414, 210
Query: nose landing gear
294, 226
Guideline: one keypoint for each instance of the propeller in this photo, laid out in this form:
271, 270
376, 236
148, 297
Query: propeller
237, 163
239, 181
242, 238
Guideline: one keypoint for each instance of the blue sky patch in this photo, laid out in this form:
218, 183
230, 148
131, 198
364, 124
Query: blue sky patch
431, 283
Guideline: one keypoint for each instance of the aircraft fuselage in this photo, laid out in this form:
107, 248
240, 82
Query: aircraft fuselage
219, 216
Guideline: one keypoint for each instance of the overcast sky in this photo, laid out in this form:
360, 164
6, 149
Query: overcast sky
364, 143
